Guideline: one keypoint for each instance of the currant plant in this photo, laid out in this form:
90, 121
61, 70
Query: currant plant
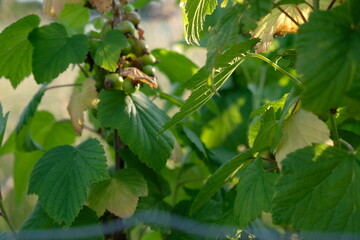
266, 146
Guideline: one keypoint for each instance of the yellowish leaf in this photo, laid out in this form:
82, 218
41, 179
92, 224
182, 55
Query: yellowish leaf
81, 101
277, 23
300, 130
52, 8
102, 6
137, 75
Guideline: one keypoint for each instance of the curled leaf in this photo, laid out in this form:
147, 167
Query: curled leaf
301, 130
81, 101
137, 75
52, 8
102, 6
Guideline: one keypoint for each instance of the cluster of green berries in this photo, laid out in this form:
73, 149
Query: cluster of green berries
136, 55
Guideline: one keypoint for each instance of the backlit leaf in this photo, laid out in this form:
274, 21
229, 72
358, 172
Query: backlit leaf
30, 109
202, 92
219, 178
108, 50
75, 17
119, 195
300, 130
80, 101
195, 12
53, 8
3, 121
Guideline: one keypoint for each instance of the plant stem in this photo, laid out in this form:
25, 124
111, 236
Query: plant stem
347, 145
335, 133
64, 85
331, 5
83, 71
5, 216
274, 65
119, 163
316, 4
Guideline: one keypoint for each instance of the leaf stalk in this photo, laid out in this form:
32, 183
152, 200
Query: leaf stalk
274, 65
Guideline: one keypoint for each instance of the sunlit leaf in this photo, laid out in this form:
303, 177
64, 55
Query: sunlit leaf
119, 195
300, 130
81, 101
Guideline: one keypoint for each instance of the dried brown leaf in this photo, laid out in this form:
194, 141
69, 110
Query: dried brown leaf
137, 75
102, 6
80, 101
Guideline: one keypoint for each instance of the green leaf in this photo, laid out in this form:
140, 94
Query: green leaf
224, 67
235, 107
3, 121
219, 178
223, 34
138, 121
54, 51
175, 66
108, 50
48, 133
74, 17
41, 226
16, 51
63, 175
269, 134
328, 41
119, 195
30, 109
254, 192
318, 192
195, 12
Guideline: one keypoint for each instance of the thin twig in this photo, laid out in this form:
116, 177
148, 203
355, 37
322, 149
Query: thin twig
301, 14
291, 18
316, 4
119, 163
295, 106
64, 85
331, 5
335, 133
83, 71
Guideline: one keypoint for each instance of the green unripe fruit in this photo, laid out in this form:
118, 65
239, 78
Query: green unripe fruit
129, 87
128, 7
148, 59
127, 27
149, 70
133, 17
139, 47
113, 81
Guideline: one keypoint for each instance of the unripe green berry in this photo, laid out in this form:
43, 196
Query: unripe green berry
149, 70
139, 47
148, 59
129, 87
133, 17
126, 27
128, 7
113, 81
